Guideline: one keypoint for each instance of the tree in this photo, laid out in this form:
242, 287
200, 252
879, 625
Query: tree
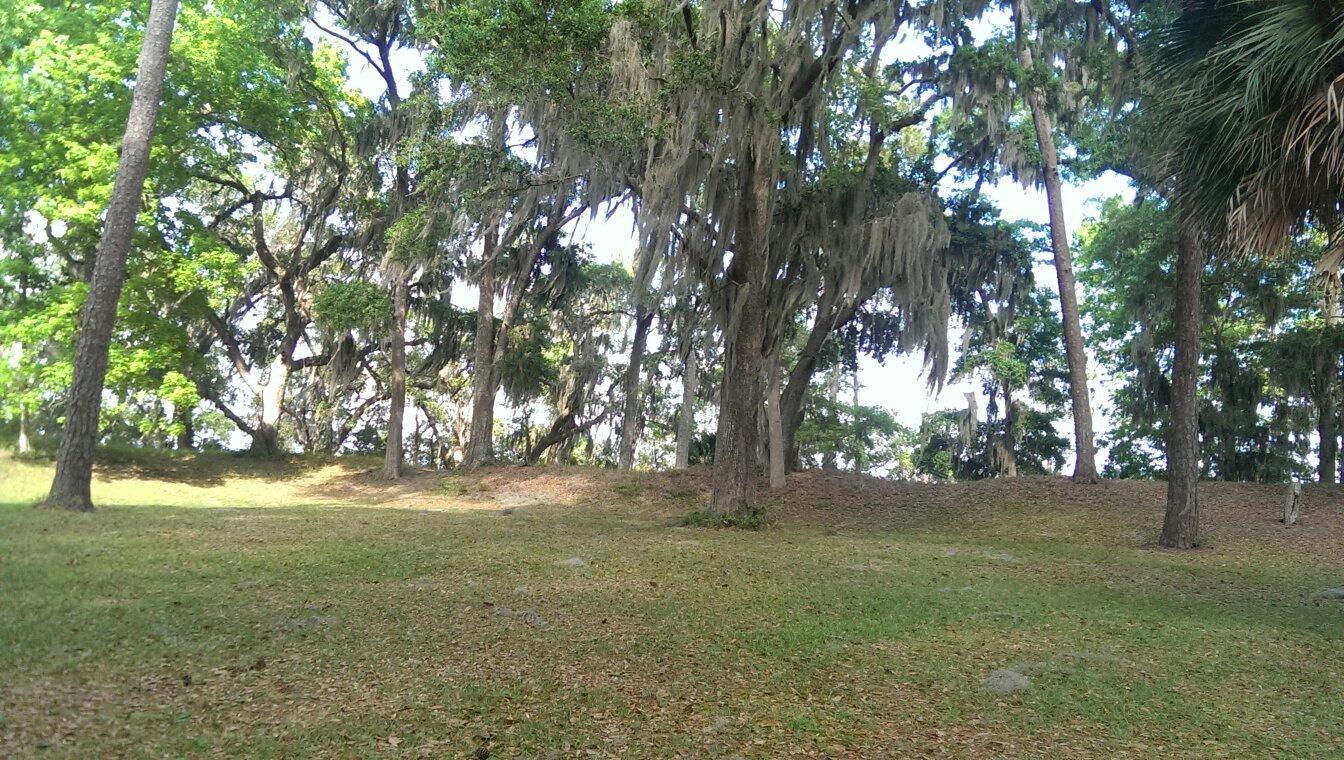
376, 30
1265, 342
70, 487
1246, 91
1016, 97
1085, 467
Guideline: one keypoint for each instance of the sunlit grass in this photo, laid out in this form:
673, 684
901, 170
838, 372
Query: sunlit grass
225, 607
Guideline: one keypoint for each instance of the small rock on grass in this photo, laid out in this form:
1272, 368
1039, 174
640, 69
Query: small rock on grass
312, 621
719, 725
531, 617
1332, 593
574, 562
1005, 681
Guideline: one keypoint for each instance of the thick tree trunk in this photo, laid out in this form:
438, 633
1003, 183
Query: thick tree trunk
70, 489
396, 412
186, 436
630, 417
1181, 527
480, 444
1085, 466
733, 482
266, 435
690, 382
774, 427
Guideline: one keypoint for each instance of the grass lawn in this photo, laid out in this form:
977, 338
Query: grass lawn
214, 606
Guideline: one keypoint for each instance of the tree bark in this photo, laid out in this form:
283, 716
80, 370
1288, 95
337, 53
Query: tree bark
266, 435
630, 416
1327, 413
480, 444
774, 427
732, 483
25, 446
800, 377
70, 488
690, 385
396, 412
828, 458
1010, 421
1085, 465
1326, 422
1181, 527
856, 455
186, 437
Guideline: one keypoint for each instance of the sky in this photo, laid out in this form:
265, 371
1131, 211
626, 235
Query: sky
898, 384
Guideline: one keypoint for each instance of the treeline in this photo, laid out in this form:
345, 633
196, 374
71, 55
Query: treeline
310, 261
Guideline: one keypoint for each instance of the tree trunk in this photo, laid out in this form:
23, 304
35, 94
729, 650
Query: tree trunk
630, 417
690, 382
800, 379
480, 444
396, 411
1181, 526
186, 436
1292, 507
857, 457
1085, 467
828, 457
25, 446
70, 488
1010, 422
733, 485
1326, 426
774, 427
266, 436
1327, 419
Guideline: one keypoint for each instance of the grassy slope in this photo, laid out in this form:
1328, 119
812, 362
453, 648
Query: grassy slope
213, 606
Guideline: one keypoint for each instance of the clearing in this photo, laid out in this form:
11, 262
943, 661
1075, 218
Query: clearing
217, 605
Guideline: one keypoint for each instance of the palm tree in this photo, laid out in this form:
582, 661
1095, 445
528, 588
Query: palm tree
1251, 93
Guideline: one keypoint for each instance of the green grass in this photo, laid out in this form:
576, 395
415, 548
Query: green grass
213, 606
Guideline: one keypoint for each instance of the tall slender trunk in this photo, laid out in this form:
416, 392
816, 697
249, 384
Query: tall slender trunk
25, 446
396, 413
1085, 466
70, 488
630, 416
774, 426
828, 457
266, 435
690, 385
733, 483
480, 444
1180, 529
1327, 411
856, 454
1010, 422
